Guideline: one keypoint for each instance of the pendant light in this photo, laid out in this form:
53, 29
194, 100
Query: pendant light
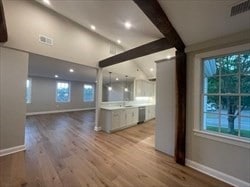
110, 86
126, 87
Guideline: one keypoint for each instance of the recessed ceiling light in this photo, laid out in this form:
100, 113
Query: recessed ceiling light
117, 79
56, 76
168, 57
119, 41
151, 69
71, 70
110, 88
92, 27
127, 25
47, 2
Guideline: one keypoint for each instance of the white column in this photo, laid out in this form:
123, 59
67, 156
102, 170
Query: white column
98, 99
165, 106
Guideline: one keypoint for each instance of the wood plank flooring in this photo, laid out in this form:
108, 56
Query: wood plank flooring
63, 150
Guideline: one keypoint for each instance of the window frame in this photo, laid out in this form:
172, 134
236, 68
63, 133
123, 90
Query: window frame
83, 93
69, 100
30, 90
198, 93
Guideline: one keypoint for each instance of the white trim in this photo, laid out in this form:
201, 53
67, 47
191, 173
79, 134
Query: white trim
97, 128
217, 174
223, 138
58, 111
4, 152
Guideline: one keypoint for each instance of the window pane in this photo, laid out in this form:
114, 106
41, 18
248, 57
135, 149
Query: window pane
229, 124
211, 122
229, 64
28, 91
245, 105
211, 85
62, 92
245, 63
88, 93
245, 127
229, 84
211, 103
245, 83
229, 104
211, 67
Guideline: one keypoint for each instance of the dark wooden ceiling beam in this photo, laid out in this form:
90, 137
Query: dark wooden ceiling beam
3, 28
155, 13
146, 49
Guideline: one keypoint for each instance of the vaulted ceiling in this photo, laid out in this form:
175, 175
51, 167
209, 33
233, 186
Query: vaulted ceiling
195, 21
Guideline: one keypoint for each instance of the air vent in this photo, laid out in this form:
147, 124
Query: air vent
45, 40
152, 79
240, 8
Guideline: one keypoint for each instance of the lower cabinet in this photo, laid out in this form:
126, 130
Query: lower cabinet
150, 112
113, 120
131, 116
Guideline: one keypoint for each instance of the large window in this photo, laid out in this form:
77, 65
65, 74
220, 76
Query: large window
226, 94
88, 93
28, 91
63, 92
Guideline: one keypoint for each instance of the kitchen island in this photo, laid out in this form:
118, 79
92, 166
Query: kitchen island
114, 118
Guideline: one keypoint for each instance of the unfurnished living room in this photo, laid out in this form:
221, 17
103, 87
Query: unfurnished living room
124, 93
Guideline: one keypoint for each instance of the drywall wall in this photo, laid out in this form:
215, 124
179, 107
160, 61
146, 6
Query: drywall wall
227, 158
26, 20
13, 75
165, 107
43, 96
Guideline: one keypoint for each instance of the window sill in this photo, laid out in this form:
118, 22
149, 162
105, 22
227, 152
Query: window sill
222, 138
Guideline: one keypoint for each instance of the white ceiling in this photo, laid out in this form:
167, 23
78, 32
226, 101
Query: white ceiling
109, 17
201, 20
42, 66
195, 21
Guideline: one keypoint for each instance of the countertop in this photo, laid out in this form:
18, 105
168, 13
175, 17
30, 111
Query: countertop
124, 107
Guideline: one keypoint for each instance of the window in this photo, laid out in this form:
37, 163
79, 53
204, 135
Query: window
28, 91
88, 93
226, 94
63, 92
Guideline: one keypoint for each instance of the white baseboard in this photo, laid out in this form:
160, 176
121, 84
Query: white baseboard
58, 111
4, 152
98, 128
217, 174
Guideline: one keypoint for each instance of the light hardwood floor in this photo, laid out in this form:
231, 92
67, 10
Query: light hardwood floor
63, 150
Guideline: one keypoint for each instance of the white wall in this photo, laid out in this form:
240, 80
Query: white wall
13, 75
165, 107
43, 96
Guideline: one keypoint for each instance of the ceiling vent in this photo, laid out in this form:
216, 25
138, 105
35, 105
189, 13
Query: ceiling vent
45, 40
240, 8
152, 79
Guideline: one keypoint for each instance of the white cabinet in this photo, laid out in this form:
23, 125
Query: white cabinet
113, 120
150, 112
116, 119
131, 116
144, 88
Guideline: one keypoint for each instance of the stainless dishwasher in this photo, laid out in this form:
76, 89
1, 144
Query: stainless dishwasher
142, 111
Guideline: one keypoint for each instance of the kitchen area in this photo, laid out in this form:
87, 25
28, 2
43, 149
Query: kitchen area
126, 101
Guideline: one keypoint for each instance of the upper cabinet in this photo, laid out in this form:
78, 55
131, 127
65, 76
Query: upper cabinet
144, 88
